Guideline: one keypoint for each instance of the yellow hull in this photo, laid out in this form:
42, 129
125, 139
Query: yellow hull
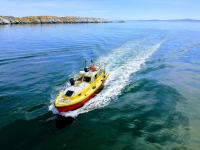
65, 103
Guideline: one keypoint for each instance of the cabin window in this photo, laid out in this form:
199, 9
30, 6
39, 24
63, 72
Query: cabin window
87, 79
69, 93
100, 72
94, 78
79, 77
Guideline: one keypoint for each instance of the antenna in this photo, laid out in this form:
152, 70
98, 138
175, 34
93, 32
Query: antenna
85, 61
92, 63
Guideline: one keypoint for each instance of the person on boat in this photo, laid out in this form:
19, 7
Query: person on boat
93, 67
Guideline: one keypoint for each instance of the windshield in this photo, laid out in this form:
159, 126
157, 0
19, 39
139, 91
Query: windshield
79, 77
87, 79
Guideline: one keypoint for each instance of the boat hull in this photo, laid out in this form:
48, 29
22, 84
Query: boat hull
80, 104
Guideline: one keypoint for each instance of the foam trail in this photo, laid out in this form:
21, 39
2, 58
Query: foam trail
122, 62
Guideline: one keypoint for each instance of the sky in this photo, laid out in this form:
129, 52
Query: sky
106, 9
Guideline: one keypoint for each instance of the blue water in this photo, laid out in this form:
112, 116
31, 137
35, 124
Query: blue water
150, 100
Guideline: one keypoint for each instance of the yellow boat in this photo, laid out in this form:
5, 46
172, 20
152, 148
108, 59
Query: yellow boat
83, 87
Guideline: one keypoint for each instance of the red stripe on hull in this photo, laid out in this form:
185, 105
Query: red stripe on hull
75, 106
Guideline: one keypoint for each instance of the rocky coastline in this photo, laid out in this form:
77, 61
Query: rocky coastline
48, 20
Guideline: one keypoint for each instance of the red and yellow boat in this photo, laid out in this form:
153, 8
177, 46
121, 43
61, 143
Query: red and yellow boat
83, 87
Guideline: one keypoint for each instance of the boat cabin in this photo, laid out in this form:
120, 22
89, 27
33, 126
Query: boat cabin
83, 80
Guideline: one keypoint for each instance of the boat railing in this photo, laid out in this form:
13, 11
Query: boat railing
101, 64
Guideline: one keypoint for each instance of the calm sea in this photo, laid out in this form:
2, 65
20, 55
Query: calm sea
151, 99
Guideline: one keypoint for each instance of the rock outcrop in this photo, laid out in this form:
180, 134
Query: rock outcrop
49, 19
121, 21
4, 21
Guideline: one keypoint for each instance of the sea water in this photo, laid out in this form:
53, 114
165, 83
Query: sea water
150, 100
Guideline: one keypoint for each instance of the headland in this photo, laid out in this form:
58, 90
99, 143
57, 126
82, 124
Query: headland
48, 20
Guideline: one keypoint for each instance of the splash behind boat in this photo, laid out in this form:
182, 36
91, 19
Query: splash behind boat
83, 87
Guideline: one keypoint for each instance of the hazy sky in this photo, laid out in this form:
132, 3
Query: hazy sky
107, 9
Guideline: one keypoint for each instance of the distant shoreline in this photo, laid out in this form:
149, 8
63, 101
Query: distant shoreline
186, 20
48, 20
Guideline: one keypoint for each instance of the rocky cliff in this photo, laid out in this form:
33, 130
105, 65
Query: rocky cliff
49, 19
